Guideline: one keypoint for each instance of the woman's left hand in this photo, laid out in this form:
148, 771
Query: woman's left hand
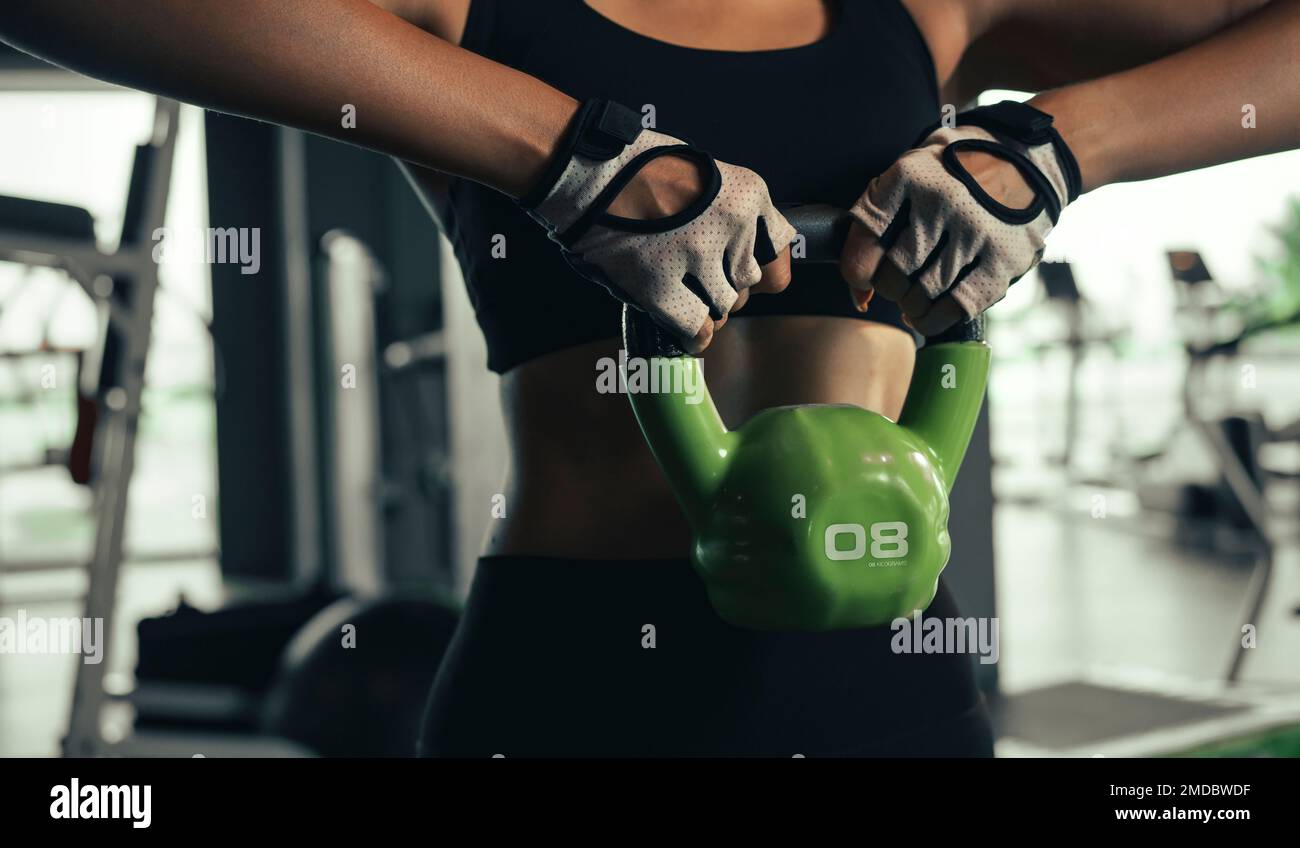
961, 217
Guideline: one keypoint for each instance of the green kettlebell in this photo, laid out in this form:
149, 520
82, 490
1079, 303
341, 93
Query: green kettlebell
816, 517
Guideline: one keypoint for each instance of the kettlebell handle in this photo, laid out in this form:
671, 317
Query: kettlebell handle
824, 229
691, 442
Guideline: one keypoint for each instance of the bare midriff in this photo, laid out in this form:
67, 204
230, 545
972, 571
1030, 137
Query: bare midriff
582, 480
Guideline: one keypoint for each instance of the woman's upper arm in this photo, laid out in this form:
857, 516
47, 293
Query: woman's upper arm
443, 18
1034, 45
446, 20
948, 27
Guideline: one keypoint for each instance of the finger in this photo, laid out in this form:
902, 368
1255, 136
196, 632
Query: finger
702, 339
684, 322
745, 270
714, 289
860, 258
741, 299
942, 314
883, 209
773, 233
862, 300
696, 310
776, 274
915, 302
891, 282
980, 288
927, 281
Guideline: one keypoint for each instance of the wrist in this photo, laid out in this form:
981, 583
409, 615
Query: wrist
1087, 133
535, 149
596, 137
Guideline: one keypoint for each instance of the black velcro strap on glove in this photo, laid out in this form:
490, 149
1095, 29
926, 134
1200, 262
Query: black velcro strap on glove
610, 128
1022, 123
1019, 121
1031, 127
601, 129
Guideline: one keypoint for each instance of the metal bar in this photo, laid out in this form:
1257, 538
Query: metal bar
115, 445
151, 558
1252, 501
28, 601
299, 340
355, 522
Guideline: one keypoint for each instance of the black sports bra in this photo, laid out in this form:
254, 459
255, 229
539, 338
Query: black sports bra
816, 122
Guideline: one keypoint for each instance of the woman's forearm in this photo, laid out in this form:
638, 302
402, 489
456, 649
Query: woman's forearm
308, 64
1232, 96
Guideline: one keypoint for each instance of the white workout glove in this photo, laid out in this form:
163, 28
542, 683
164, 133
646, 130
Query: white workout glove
944, 231
684, 269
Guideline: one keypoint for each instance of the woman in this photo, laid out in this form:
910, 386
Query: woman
586, 632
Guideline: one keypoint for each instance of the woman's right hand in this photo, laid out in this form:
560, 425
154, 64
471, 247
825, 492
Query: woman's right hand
660, 224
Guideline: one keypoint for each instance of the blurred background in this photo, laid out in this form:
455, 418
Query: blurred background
226, 468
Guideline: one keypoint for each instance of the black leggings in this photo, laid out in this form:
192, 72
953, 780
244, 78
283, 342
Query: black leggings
553, 658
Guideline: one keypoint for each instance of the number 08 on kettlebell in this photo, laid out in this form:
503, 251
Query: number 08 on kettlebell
816, 517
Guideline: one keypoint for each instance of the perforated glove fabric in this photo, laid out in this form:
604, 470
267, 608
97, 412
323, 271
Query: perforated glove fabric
684, 269
944, 231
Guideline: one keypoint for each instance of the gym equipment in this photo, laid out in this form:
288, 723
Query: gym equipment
1215, 329
773, 504
1083, 335
269, 677
123, 283
354, 680
211, 670
1234, 447
45, 351
202, 676
280, 677
386, 470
